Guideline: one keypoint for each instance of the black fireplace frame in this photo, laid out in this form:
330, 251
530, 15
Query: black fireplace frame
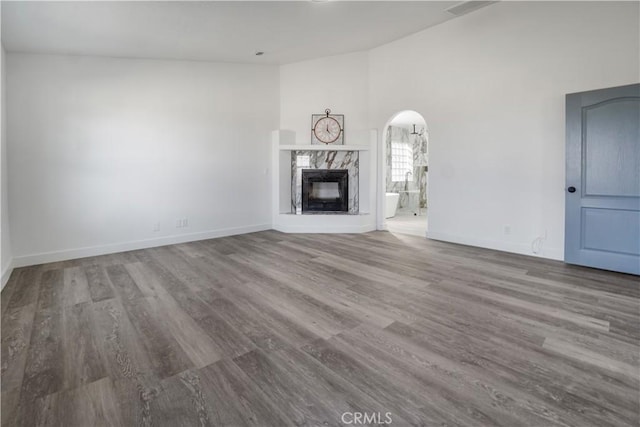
340, 204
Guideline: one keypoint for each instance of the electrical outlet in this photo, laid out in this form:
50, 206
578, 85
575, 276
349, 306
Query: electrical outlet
156, 226
185, 222
507, 230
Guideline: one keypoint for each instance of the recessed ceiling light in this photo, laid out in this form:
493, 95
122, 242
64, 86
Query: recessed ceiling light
259, 53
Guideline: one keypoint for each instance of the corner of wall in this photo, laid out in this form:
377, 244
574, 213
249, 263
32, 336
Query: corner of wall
6, 258
6, 274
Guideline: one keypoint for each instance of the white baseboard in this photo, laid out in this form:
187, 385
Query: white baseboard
6, 273
42, 258
518, 248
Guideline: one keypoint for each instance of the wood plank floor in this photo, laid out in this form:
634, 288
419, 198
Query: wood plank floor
273, 329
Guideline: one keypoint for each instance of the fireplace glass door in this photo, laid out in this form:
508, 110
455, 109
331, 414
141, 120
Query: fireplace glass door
325, 190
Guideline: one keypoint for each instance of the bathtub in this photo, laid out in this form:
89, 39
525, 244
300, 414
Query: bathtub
391, 204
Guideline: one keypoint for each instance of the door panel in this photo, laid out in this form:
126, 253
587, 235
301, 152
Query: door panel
606, 148
611, 230
602, 215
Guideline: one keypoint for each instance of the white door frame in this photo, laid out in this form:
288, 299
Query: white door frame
381, 221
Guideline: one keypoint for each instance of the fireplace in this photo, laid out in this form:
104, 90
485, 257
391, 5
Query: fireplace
325, 190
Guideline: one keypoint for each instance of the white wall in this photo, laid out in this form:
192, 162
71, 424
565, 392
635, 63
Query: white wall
491, 87
340, 83
6, 255
101, 149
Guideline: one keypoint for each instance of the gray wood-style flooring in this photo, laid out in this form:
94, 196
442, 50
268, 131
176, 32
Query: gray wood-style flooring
273, 329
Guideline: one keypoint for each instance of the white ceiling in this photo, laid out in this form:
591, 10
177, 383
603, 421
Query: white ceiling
286, 31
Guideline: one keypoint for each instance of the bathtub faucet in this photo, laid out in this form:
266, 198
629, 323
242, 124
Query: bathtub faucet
406, 179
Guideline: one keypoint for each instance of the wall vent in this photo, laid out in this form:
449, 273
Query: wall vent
467, 7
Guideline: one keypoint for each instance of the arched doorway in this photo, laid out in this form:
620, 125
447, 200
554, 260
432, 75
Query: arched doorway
405, 169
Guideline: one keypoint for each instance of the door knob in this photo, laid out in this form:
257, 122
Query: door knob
571, 189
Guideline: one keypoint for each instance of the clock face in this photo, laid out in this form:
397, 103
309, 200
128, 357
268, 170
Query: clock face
327, 130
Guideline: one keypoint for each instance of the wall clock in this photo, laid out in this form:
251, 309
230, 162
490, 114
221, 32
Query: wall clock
327, 128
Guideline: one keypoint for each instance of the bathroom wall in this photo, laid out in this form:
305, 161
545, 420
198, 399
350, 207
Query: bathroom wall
418, 179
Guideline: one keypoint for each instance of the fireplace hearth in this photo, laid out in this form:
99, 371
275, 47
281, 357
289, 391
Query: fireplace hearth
325, 190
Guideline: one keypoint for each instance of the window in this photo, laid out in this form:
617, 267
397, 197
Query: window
401, 160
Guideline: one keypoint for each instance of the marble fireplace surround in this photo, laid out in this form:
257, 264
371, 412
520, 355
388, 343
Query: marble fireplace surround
306, 159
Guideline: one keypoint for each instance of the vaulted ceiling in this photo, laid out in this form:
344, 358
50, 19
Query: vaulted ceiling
231, 31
